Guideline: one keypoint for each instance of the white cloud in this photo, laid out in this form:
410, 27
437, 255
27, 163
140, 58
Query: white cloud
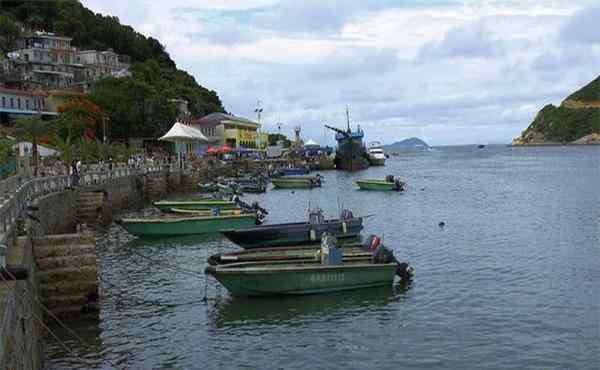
455, 73
582, 27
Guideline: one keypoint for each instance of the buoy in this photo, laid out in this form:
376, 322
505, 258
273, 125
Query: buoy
441, 224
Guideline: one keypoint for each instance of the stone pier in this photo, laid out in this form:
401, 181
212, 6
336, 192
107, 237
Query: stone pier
67, 273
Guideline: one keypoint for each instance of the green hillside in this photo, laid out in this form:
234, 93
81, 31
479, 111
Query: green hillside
155, 78
590, 92
577, 120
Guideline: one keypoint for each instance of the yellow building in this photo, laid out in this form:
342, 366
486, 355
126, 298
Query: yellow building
236, 132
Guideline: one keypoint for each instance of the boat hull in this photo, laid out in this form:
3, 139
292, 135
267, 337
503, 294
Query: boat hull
194, 205
351, 155
298, 253
295, 183
293, 234
376, 185
297, 279
376, 161
293, 171
162, 227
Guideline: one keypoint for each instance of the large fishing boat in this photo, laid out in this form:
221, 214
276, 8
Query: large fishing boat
350, 154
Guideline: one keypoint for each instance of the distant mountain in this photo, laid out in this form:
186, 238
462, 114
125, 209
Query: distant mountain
411, 143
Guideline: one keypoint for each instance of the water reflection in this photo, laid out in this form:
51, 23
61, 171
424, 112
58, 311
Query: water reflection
295, 310
176, 241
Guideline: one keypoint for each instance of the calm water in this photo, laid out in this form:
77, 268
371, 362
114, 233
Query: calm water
511, 282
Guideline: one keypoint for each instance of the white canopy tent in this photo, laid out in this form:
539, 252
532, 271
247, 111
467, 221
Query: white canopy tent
182, 135
311, 144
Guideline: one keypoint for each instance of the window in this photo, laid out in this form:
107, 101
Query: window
3, 102
19, 103
12, 102
27, 104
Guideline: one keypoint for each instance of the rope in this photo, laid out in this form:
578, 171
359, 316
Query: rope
27, 293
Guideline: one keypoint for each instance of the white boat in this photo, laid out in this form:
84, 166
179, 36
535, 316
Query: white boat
376, 154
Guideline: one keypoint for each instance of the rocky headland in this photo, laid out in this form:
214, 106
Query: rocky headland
576, 121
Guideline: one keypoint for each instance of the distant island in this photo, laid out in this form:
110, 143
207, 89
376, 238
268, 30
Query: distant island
575, 121
410, 143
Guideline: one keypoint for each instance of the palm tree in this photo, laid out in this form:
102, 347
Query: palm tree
32, 130
66, 148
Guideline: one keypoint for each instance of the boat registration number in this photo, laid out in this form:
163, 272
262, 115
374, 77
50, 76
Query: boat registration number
327, 276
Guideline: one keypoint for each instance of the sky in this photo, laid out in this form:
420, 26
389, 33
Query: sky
450, 72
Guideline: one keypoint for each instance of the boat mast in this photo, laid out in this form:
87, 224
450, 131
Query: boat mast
349, 133
348, 117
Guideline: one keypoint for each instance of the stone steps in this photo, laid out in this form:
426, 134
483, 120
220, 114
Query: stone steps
73, 300
83, 273
66, 288
64, 240
78, 260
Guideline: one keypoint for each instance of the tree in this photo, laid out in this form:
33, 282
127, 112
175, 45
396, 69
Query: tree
65, 147
9, 33
79, 117
134, 107
32, 130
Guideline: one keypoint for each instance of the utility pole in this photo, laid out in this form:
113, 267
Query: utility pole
258, 112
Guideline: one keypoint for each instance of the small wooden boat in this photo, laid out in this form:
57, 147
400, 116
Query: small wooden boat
308, 271
388, 184
208, 187
206, 212
298, 253
252, 188
190, 225
297, 182
295, 171
263, 236
206, 204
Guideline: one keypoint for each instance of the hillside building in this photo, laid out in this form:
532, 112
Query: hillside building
236, 132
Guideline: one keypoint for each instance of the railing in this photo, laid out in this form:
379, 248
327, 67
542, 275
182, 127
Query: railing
18, 194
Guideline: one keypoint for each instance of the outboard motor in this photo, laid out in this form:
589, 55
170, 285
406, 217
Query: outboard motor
405, 271
389, 178
260, 217
257, 208
399, 185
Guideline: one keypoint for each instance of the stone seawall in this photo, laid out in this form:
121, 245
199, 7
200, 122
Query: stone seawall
67, 273
21, 317
62, 271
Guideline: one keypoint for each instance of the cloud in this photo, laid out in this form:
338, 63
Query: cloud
353, 61
582, 27
454, 72
468, 41
227, 33
313, 16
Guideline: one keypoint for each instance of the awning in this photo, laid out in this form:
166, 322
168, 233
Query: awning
311, 142
180, 132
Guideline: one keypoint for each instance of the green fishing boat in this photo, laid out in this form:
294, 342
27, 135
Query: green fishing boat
294, 278
206, 212
206, 204
189, 225
297, 182
300, 253
308, 270
389, 184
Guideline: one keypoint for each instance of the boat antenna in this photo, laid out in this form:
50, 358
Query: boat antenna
338, 204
